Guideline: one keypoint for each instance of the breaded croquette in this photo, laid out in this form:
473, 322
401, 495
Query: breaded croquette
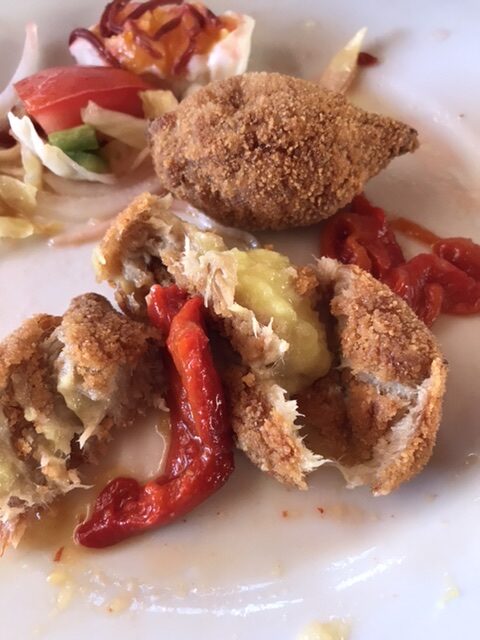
269, 151
64, 383
374, 414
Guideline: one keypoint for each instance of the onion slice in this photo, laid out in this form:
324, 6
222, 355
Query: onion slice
194, 216
27, 66
120, 126
80, 208
342, 68
88, 232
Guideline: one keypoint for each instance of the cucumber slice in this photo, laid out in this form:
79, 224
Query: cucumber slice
89, 161
81, 138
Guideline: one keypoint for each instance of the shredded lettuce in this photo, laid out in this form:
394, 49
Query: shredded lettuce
52, 157
157, 102
32, 167
119, 126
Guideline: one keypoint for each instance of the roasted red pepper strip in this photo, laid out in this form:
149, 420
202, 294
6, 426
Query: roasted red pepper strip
448, 280
125, 508
163, 304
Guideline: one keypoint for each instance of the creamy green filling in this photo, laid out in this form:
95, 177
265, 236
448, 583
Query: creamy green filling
265, 285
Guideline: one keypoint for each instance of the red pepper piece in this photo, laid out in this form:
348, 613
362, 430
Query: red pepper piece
125, 507
446, 281
366, 59
432, 285
163, 304
461, 252
362, 237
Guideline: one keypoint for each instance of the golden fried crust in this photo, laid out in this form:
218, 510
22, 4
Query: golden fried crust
130, 231
126, 256
419, 449
99, 340
263, 431
269, 151
20, 346
379, 332
378, 415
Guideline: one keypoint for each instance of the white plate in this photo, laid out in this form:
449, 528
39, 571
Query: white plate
404, 566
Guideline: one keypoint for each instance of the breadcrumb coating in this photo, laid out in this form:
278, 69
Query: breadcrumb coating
265, 431
269, 151
99, 340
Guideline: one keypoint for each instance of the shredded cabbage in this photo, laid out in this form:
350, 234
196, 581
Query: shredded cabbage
157, 102
52, 157
342, 68
32, 167
10, 155
17, 195
120, 126
15, 227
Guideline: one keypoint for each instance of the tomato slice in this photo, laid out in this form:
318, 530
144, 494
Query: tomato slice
54, 97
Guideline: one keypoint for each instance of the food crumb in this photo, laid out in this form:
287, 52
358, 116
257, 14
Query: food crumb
333, 630
119, 604
58, 554
451, 593
66, 586
321, 510
249, 379
366, 59
284, 513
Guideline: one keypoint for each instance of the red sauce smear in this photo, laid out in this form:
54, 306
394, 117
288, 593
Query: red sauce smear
414, 230
444, 281
200, 458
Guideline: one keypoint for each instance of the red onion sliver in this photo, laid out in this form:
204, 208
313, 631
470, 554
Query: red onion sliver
167, 27
88, 35
151, 5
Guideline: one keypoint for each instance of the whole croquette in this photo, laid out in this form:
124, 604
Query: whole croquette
269, 151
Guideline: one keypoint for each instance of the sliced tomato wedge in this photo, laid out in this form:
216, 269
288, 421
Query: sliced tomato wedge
54, 97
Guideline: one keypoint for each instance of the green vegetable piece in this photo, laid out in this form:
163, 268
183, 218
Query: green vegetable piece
81, 138
89, 161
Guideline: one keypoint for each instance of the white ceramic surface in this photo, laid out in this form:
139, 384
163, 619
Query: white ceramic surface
403, 566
